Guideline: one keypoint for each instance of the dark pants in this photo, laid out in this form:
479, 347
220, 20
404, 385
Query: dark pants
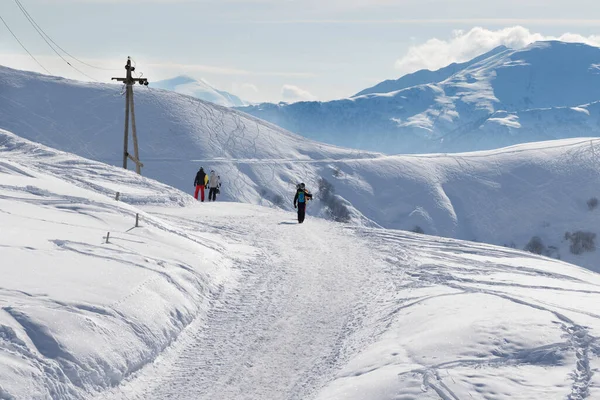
212, 194
301, 212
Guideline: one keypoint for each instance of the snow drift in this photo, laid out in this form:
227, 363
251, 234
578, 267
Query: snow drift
80, 311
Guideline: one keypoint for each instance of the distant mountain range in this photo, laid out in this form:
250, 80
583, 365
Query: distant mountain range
199, 89
548, 90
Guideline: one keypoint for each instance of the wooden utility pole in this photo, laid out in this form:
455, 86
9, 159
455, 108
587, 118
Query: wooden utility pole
129, 81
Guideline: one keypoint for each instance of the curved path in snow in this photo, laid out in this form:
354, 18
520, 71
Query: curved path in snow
329, 312
283, 332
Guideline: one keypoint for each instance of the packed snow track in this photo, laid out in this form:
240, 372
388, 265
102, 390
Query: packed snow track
285, 328
327, 311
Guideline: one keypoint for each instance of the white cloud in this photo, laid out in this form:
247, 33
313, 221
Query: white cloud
250, 87
465, 45
247, 91
294, 93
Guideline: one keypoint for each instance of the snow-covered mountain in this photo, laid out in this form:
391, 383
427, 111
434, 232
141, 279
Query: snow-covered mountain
544, 91
199, 89
426, 76
229, 300
503, 197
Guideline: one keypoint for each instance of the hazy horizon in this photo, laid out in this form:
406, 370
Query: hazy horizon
268, 50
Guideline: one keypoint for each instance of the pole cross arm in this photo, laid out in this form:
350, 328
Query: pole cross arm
135, 160
131, 81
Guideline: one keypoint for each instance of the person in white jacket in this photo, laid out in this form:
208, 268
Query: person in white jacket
214, 183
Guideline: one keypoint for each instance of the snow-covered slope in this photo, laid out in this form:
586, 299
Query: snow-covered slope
426, 76
177, 134
502, 197
271, 309
487, 104
199, 89
78, 313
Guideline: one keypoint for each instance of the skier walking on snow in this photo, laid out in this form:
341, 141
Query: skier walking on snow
302, 196
200, 182
214, 183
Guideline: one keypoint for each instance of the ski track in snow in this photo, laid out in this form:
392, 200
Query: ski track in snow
577, 337
282, 333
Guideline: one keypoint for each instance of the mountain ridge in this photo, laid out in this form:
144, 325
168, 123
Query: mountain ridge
427, 117
425, 76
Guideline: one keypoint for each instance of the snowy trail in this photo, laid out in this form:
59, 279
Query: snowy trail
327, 311
285, 330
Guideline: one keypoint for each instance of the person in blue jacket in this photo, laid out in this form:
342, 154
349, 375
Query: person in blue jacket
302, 196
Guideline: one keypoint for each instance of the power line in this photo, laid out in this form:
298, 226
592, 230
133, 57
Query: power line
24, 10
23, 46
39, 31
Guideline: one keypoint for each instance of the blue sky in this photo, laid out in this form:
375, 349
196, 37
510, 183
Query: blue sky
271, 50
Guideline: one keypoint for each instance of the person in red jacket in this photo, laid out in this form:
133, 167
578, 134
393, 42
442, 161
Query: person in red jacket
302, 196
200, 183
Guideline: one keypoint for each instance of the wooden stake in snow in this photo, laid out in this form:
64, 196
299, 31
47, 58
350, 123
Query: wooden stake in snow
117, 196
137, 220
107, 236
129, 81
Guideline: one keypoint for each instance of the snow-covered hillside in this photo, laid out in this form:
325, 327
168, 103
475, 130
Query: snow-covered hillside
544, 91
255, 306
199, 89
177, 134
78, 313
502, 197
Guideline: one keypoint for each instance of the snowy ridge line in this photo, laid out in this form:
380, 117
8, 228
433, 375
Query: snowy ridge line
81, 170
502, 99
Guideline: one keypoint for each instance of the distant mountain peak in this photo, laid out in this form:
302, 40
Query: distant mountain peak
425, 76
201, 89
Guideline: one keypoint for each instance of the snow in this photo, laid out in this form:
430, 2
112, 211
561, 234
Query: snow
425, 76
509, 120
78, 314
502, 197
228, 300
199, 89
456, 108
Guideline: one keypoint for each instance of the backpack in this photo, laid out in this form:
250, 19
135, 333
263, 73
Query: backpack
301, 197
